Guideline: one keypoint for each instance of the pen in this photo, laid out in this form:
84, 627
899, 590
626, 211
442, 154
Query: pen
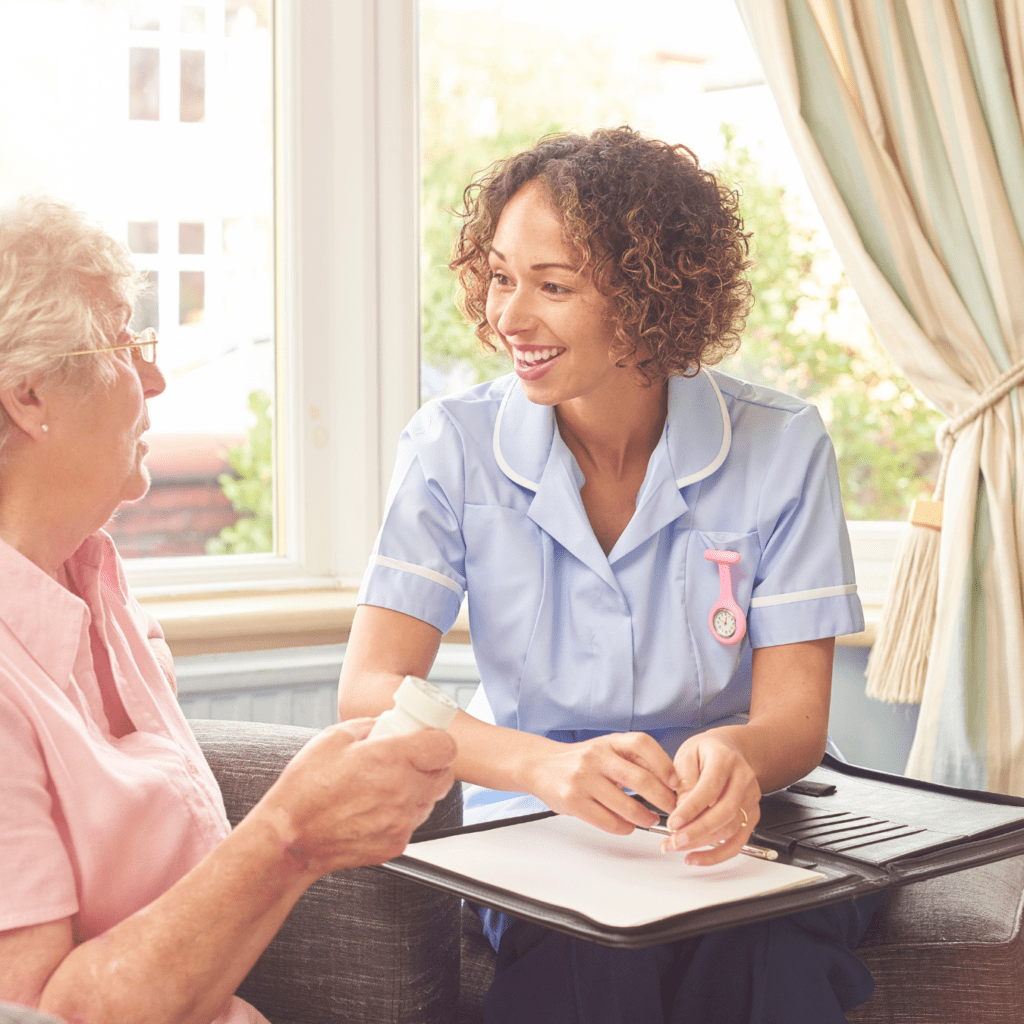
761, 852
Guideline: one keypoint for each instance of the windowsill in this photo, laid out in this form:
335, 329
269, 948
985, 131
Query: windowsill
247, 621
221, 623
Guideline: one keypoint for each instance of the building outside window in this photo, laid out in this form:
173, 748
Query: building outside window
157, 117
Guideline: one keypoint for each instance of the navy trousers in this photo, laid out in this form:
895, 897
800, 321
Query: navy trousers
799, 969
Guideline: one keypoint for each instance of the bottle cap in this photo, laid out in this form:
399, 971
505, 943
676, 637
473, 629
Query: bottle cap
425, 702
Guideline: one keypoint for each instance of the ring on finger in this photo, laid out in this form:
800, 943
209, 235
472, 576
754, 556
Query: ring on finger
746, 820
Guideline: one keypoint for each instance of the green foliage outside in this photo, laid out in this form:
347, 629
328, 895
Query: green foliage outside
882, 428
250, 488
446, 339
803, 335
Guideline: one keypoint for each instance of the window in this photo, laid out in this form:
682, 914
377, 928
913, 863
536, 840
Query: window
193, 85
684, 72
144, 83
98, 123
329, 275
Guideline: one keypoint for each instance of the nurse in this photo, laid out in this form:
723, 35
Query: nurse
656, 565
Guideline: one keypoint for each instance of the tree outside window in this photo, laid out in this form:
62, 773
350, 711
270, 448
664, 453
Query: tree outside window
506, 84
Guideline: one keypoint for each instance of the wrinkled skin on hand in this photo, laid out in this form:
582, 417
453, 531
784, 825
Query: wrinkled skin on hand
344, 801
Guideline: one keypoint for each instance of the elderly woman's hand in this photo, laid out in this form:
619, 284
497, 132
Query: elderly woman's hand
345, 801
341, 802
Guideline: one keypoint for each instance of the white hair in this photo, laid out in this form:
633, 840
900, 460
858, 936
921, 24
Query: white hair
65, 286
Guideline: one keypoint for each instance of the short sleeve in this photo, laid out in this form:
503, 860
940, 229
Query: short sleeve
38, 881
805, 588
418, 562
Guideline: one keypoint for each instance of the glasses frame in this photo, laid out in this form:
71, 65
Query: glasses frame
146, 340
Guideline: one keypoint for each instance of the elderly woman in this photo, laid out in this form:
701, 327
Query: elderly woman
125, 895
656, 562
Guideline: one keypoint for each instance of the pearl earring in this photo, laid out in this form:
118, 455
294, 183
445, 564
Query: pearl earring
45, 428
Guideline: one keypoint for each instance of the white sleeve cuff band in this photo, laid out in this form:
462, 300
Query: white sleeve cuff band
418, 570
802, 595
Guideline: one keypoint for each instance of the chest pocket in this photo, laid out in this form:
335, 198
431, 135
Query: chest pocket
718, 663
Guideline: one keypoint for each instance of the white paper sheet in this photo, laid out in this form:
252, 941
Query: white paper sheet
620, 881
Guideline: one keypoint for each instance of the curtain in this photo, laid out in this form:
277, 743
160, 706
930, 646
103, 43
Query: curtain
906, 118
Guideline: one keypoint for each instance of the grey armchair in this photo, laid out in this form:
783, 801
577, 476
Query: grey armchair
368, 947
361, 945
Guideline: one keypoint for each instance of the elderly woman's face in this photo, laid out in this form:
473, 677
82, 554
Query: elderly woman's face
544, 306
97, 437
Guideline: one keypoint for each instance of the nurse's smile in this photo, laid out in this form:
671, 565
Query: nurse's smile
532, 362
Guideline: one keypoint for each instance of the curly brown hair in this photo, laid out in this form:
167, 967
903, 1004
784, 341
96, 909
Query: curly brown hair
663, 235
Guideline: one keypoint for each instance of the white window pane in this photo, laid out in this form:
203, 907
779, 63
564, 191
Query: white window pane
144, 15
144, 83
192, 239
157, 118
193, 19
193, 85
144, 236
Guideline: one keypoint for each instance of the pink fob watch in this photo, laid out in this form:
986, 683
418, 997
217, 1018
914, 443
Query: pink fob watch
728, 623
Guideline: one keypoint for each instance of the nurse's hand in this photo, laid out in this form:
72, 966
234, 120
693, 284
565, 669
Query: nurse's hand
719, 799
587, 780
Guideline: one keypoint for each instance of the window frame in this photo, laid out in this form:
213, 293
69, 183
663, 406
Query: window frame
348, 360
346, 188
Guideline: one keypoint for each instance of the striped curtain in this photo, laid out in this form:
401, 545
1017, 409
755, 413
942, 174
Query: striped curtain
906, 118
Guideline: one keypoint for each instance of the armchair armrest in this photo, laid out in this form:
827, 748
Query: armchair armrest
361, 945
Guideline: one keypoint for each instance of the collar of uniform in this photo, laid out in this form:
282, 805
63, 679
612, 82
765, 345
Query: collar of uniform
31, 603
523, 433
557, 508
697, 429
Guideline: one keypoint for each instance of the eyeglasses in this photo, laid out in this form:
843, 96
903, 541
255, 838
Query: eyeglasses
143, 346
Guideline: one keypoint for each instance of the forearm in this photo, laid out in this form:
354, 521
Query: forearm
777, 751
495, 757
384, 646
788, 726
181, 957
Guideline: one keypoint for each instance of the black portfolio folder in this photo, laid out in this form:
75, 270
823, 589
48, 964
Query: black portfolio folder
863, 830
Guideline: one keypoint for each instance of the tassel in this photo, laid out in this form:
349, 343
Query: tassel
898, 662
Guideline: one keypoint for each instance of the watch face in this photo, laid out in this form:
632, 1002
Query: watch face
724, 623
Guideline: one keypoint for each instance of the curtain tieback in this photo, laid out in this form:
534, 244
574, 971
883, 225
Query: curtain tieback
929, 513
898, 664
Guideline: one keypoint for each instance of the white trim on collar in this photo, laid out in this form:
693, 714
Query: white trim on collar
515, 477
681, 482
726, 439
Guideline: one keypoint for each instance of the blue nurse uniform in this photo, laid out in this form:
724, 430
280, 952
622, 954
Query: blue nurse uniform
571, 643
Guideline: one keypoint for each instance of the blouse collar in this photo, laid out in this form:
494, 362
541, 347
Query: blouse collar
45, 618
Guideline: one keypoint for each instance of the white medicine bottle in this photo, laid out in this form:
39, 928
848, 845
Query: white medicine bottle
418, 705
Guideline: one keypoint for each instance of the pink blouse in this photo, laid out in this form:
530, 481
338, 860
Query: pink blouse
93, 826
